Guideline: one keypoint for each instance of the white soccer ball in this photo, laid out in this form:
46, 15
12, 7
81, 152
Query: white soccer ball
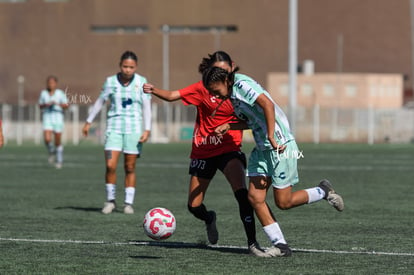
159, 223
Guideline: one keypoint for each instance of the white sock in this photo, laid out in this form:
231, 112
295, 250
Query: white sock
274, 233
110, 191
129, 195
50, 148
59, 154
315, 194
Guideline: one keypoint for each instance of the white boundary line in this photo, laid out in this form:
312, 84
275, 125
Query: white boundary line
194, 245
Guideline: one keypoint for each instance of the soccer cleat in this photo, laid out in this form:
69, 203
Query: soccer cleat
128, 209
212, 233
51, 159
331, 196
256, 250
108, 207
279, 250
58, 165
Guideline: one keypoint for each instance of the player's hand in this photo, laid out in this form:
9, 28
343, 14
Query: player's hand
85, 129
145, 136
276, 146
148, 88
222, 129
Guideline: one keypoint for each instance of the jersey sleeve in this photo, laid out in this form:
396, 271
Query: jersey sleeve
106, 90
42, 99
146, 107
64, 98
100, 101
191, 95
248, 90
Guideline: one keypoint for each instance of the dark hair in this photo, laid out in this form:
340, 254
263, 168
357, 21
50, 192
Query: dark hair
218, 56
52, 77
216, 74
129, 55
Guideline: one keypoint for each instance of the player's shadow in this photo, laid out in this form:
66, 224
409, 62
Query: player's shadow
183, 245
77, 208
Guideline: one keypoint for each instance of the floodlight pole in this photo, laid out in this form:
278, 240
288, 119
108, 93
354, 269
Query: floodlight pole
20, 106
166, 76
293, 62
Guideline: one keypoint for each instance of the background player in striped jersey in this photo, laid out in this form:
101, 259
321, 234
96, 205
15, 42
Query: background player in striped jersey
1, 134
128, 126
53, 101
274, 159
211, 153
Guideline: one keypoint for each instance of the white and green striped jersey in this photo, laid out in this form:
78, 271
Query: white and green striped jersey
126, 112
243, 97
58, 97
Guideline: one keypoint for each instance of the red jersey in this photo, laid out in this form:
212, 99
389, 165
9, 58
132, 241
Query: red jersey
206, 143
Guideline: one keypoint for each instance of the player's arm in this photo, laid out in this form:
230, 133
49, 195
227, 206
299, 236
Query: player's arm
163, 94
224, 128
43, 104
146, 110
64, 105
269, 111
95, 110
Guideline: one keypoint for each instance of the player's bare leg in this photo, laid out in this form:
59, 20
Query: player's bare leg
47, 135
258, 187
111, 161
286, 199
130, 182
196, 193
59, 150
235, 175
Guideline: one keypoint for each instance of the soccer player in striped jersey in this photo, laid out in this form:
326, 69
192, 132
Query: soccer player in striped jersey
273, 162
211, 153
53, 101
128, 126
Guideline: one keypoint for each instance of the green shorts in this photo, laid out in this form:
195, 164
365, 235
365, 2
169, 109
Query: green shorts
281, 167
53, 123
126, 143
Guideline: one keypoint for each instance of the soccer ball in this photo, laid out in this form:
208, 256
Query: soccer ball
159, 223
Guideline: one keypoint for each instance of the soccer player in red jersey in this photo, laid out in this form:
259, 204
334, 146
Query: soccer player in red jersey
211, 152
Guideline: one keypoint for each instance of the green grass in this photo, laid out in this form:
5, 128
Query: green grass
41, 203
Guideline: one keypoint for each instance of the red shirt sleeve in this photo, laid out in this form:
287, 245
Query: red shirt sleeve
192, 95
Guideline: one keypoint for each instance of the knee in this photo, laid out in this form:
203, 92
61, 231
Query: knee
254, 200
110, 169
129, 169
283, 204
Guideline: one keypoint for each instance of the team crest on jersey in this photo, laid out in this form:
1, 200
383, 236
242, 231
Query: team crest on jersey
213, 99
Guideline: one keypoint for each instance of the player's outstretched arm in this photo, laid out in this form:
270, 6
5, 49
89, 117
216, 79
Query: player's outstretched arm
163, 94
224, 128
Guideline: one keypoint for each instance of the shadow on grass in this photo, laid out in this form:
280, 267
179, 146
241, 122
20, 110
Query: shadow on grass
181, 245
145, 257
77, 208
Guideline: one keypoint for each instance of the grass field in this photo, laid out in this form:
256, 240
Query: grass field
51, 221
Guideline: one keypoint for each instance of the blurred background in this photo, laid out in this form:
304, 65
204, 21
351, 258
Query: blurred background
355, 62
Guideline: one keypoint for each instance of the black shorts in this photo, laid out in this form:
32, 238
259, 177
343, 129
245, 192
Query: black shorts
207, 168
